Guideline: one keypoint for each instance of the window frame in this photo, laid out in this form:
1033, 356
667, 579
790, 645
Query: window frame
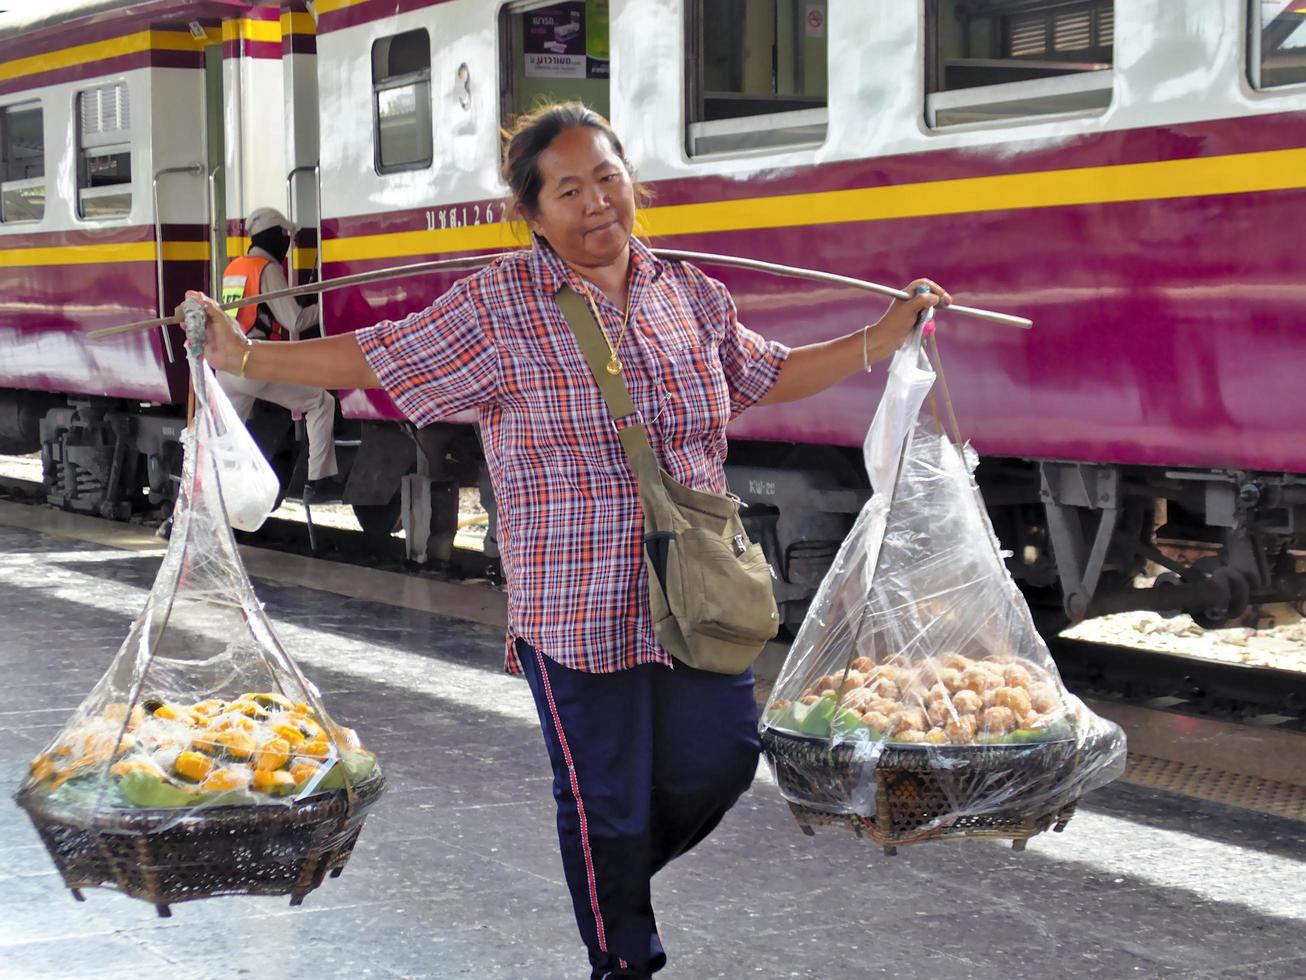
23, 182
696, 128
1255, 27
510, 82
107, 144
401, 81
1067, 88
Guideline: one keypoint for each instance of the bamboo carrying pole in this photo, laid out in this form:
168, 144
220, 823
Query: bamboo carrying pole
475, 261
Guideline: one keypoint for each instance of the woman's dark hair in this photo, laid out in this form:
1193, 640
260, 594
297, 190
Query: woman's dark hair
534, 133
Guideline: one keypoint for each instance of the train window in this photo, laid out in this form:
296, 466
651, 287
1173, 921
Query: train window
22, 163
1278, 42
552, 52
989, 60
756, 74
401, 100
104, 160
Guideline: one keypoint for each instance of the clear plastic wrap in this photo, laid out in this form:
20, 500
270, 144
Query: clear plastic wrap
918, 700
250, 487
203, 761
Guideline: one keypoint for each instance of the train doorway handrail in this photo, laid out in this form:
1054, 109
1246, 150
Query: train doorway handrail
195, 169
476, 261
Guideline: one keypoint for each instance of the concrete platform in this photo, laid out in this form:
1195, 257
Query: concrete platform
456, 873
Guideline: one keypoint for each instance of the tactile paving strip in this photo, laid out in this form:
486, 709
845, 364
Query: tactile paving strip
1218, 786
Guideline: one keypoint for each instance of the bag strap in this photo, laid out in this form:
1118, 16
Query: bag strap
633, 436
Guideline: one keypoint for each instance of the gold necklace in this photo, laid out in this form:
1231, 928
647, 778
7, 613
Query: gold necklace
614, 364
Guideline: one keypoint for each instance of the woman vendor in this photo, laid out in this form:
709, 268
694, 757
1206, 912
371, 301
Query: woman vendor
648, 754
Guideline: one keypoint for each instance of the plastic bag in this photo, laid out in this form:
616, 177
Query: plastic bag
203, 761
918, 697
249, 486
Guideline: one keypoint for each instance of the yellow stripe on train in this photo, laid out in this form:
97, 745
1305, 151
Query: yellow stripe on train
327, 6
300, 258
297, 22
252, 30
98, 254
1205, 176
82, 54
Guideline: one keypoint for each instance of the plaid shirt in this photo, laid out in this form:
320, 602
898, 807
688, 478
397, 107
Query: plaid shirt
570, 523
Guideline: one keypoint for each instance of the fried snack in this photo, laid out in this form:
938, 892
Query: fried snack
858, 700
852, 680
997, 721
1044, 698
1015, 698
967, 702
980, 679
876, 721
953, 679
961, 730
909, 719
1016, 675
940, 712
954, 698
886, 688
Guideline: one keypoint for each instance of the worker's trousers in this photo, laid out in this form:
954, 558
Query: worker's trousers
646, 762
316, 405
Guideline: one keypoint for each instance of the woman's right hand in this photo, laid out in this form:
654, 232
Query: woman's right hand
225, 343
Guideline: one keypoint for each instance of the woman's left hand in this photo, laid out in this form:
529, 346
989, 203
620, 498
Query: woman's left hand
888, 333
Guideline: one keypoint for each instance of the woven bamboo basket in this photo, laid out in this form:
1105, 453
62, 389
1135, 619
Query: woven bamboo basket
913, 793
163, 857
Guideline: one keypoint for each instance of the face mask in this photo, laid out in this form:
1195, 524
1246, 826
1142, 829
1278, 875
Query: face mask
274, 241
280, 246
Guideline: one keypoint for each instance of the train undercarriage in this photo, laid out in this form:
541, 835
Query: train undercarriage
1081, 539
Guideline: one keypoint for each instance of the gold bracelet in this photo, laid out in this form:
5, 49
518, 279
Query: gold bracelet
244, 361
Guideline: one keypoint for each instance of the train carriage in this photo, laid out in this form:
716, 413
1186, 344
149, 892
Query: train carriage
1127, 174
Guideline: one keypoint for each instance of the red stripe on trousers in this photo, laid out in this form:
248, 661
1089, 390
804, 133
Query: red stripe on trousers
580, 806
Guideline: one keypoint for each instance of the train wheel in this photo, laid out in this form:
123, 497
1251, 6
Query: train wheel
1239, 593
1168, 578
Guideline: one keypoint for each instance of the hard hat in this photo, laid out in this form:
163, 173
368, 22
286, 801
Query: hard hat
261, 219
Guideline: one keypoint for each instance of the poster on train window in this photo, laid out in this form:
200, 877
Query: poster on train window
567, 40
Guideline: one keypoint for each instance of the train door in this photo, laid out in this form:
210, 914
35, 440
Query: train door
551, 52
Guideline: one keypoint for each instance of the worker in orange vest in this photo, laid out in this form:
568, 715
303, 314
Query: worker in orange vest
260, 271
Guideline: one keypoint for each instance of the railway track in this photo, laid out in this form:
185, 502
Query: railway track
1221, 732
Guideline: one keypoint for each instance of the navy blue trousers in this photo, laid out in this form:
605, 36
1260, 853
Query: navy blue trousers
646, 762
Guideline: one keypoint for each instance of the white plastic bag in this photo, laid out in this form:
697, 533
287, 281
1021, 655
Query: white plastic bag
249, 486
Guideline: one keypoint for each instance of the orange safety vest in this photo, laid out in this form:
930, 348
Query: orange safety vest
241, 280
